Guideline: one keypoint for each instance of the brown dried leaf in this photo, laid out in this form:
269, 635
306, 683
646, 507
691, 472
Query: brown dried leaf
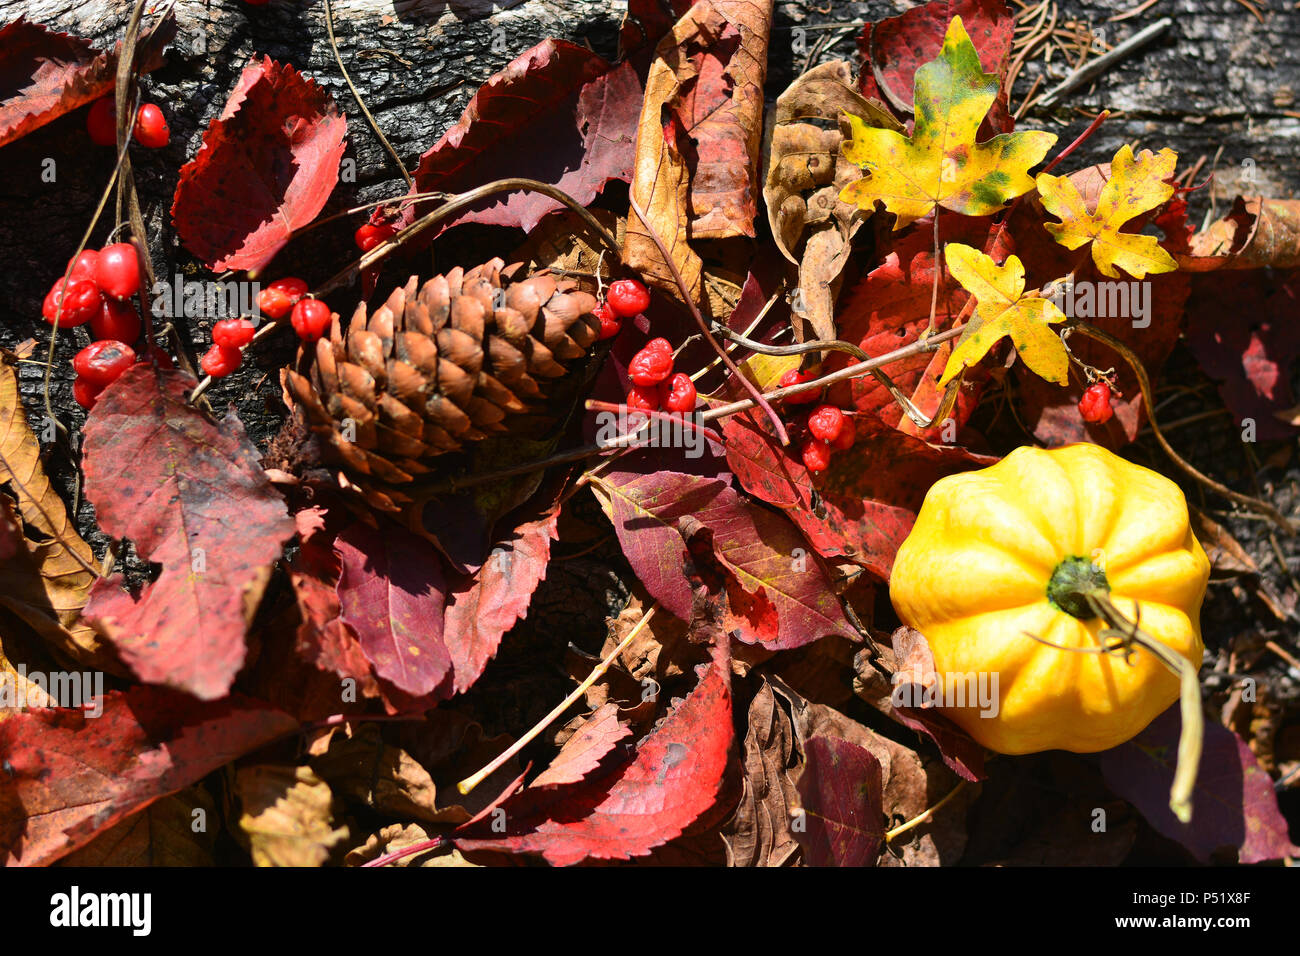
759, 833
288, 815
48, 583
1255, 233
399, 836
1227, 557
178, 830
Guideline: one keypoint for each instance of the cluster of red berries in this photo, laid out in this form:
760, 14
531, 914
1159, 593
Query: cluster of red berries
1095, 404
94, 289
654, 385
309, 317
150, 128
626, 298
829, 429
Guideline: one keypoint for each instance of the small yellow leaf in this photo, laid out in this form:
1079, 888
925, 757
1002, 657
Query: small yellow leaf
940, 163
1136, 185
1003, 310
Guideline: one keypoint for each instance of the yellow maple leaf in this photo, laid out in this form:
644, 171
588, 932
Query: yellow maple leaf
1136, 185
1002, 309
940, 163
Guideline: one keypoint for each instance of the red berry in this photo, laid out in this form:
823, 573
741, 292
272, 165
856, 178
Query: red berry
116, 320
826, 422
101, 122
609, 324
1095, 404
100, 363
643, 398
311, 319
627, 297
369, 235
81, 302
117, 270
659, 345
151, 127
278, 297
678, 393
650, 366
796, 377
85, 393
844, 440
233, 333
220, 360
816, 454
82, 265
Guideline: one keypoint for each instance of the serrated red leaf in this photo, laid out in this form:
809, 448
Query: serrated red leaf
68, 777
391, 593
864, 505
267, 166
44, 74
559, 94
192, 497
841, 792
673, 778
893, 49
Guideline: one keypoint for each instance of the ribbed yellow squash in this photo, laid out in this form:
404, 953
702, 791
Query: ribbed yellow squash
975, 573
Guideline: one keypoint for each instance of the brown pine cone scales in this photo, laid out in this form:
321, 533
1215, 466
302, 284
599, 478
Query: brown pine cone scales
434, 367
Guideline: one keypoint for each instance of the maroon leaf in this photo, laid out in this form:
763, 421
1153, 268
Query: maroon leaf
1234, 805
558, 94
864, 505
1243, 332
392, 592
673, 778
583, 752
192, 497
69, 777
44, 74
893, 49
841, 792
266, 167
779, 596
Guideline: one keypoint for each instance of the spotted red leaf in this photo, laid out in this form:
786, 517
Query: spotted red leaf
266, 167
392, 592
637, 805
69, 775
894, 48
192, 496
44, 74
558, 94
840, 790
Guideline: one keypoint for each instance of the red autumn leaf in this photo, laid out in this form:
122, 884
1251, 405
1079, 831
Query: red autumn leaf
583, 752
840, 790
893, 49
779, 596
864, 505
1241, 327
392, 592
672, 779
889, 309
44, 74
558, 94
267, 166
68, 776
481, 607
1234, 804
193, 498
324, 640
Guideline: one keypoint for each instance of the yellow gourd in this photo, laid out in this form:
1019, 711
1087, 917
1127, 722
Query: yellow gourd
1004, 552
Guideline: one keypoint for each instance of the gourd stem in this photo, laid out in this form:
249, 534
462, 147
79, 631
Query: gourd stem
1191, 739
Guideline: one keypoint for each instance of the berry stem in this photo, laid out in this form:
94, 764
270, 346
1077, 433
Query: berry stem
727, 360
596, 406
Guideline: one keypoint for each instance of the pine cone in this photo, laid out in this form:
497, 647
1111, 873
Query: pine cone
428, 371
